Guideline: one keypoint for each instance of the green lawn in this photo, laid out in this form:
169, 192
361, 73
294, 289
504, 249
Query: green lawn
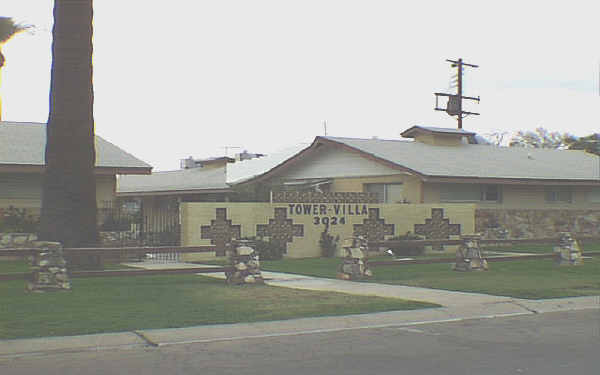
534, 279
538, 249
96, 305
13, 266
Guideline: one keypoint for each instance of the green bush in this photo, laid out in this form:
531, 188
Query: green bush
266, 250
406, 249
328, 244
116, 224
15, 220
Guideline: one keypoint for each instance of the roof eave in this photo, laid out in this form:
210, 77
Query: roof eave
37, 168
510, 181
172, 192
369, 156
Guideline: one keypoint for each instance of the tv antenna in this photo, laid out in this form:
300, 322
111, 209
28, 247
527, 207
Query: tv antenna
227, 149
454, 106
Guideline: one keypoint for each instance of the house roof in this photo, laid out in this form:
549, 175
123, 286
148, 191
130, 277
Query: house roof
200, 180
24, 143
475, 160
463, 163
183, 181
247, 170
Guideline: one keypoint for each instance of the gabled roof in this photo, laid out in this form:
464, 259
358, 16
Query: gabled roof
247, 170
479, 161
24, 143
183, 181
200, 180
464, 163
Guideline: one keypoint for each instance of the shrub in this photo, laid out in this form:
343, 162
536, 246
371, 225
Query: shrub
266, 250
407, 249
17, 220
328, 244
114, 224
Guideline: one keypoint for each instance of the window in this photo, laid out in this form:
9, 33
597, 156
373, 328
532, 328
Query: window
470, 193
559, 195
490, 193
593, 196
386, 193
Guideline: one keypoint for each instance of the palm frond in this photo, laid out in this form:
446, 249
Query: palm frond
8, 28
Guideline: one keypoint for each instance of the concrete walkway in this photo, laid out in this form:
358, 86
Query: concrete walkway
456, 306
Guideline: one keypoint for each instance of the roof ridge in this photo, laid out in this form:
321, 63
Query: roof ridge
369, 139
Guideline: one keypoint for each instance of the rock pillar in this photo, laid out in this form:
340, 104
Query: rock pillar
49, 268
568, 252
245, 263
468, 255
354, 265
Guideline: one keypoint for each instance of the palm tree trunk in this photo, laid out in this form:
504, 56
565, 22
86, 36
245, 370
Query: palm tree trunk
69, 188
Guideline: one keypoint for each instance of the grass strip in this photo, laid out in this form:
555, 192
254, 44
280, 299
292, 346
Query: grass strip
99, 305
533, 279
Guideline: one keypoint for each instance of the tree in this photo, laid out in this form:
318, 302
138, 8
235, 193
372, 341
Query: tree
540, 138
8, 29
590, 143
69, 185
496, 138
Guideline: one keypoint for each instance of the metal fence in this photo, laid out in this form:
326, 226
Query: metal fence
121, 254
125, 226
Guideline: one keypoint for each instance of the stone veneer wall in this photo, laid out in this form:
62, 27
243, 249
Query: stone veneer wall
17, 240
49, 272
531, 223
107, 239
314, 197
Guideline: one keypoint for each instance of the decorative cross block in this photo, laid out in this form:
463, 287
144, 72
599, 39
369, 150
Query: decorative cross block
437, 228
373, 228
220, 232
280, 230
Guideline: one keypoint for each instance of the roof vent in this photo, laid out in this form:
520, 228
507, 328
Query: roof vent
189, 163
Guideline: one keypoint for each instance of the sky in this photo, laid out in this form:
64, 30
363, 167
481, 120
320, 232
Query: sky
201, 78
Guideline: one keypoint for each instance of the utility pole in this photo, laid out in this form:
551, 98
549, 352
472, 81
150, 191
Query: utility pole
454, 106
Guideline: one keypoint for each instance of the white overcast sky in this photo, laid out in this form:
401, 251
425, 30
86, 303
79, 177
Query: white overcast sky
186, 78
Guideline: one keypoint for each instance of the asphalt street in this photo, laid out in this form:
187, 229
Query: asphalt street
565, 342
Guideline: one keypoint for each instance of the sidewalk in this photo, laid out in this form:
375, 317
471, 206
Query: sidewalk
456, 306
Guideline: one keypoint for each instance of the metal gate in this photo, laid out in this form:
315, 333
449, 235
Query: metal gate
132, 224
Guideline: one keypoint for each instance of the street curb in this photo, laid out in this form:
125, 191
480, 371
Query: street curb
304, 326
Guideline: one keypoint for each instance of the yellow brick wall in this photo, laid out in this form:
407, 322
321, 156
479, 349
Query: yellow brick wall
345, 217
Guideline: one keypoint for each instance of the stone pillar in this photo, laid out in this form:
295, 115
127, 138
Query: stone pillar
354, 265
568, 252
245, 263
49, 268
468, 255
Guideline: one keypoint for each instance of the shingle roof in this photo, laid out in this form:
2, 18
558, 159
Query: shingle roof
23, 143
200, 179
179, 180
239, 172
480, 161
